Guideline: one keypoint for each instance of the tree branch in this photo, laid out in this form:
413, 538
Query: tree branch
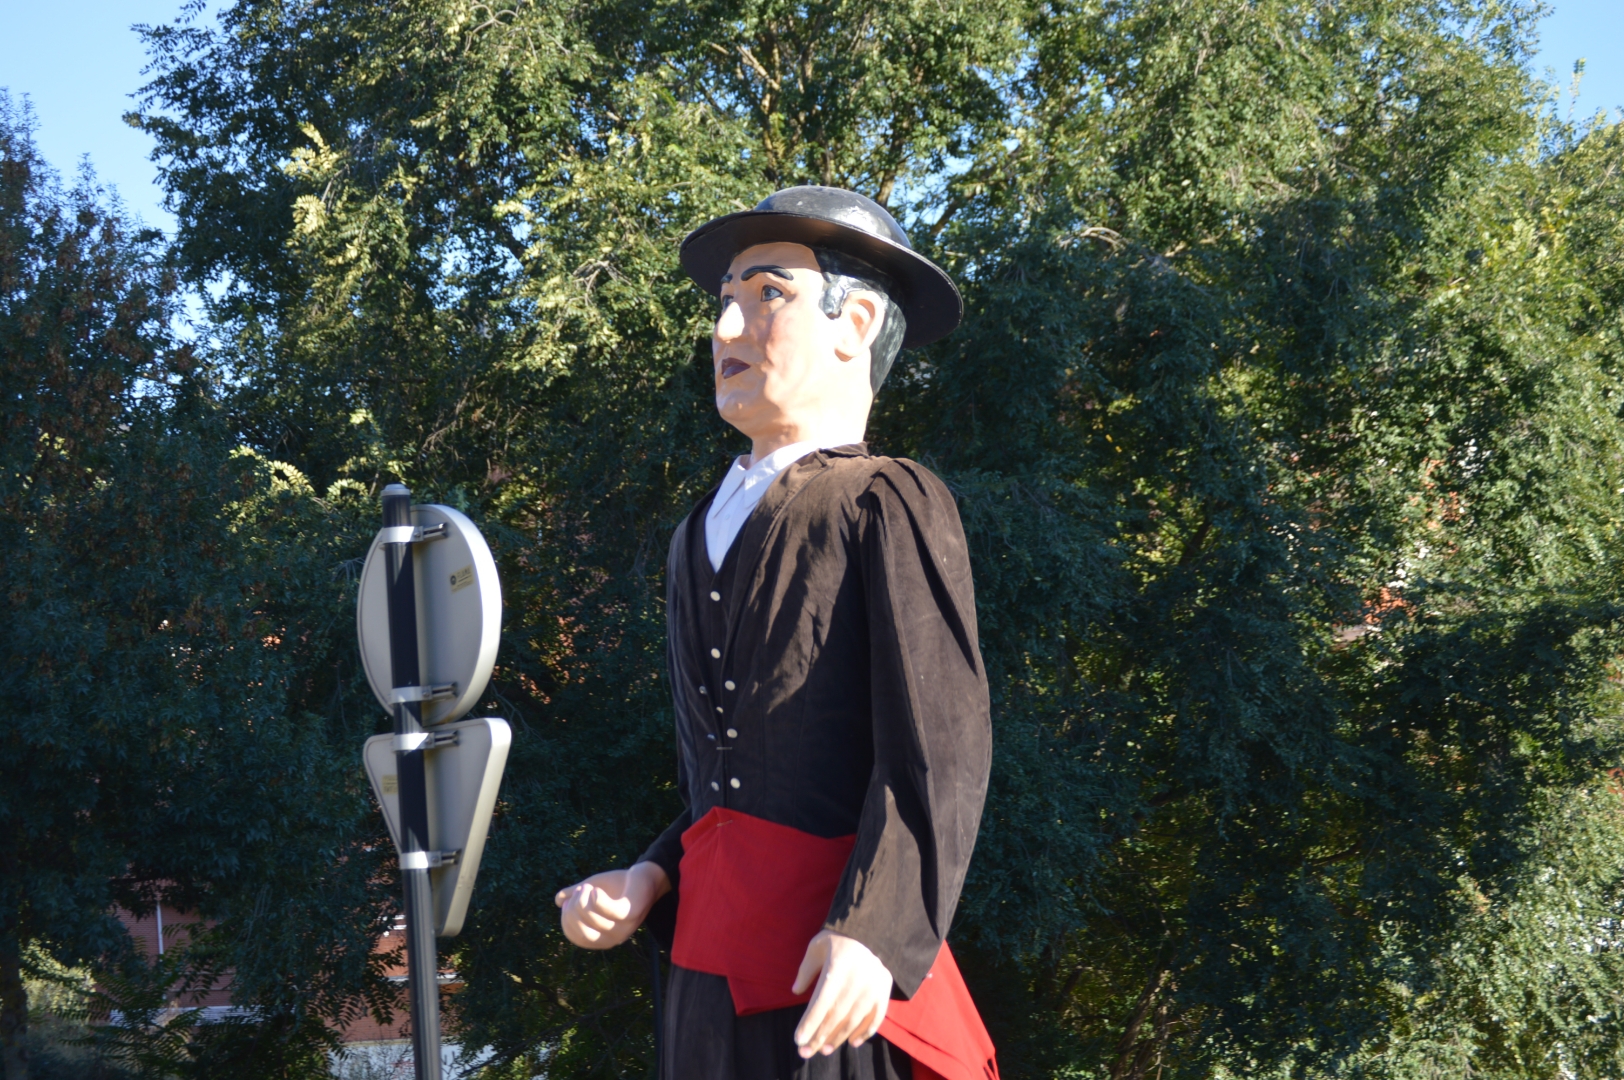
1126, 1046
1192, 547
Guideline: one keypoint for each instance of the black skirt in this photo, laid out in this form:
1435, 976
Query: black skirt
705, 1040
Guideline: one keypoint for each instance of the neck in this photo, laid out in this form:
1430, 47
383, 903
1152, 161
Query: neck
827, 434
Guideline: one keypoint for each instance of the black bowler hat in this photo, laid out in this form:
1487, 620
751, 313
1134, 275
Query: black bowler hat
843, 221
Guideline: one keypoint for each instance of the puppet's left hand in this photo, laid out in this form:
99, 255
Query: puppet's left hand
853, 991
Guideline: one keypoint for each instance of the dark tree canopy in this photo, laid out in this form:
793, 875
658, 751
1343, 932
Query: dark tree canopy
1285, 425
176, 726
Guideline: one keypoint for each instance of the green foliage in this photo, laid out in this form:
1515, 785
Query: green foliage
181, 727
1285, 423
1335, 588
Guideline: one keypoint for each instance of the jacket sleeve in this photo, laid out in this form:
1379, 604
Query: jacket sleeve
666, 851
932, 726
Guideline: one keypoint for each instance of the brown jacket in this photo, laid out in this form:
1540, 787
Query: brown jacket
828, 678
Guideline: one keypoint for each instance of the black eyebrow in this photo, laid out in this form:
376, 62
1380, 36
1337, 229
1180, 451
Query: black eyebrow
776, 271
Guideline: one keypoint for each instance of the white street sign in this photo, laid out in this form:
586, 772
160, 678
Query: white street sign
459, 615
462, 780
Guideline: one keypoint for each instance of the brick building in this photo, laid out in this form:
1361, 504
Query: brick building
373, 1051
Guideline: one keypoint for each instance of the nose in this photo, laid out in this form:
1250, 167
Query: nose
730, 324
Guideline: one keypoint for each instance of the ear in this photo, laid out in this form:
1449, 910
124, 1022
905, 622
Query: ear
858, 324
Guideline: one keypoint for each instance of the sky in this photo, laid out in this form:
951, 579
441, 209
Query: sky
78, 62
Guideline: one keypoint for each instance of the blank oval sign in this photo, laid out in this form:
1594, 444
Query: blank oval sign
459, 614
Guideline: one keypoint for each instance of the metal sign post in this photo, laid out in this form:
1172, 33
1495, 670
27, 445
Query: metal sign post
428, 616
422, 963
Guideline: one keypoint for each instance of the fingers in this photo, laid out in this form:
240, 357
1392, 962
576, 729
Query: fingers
595, 905
837, 1021
843, 1019
589, 913
873, 1027
570, 894
606, 908
822, 999
817, 951
578, 917
869, 1027
604, 904
600, 911
849, 1002
578, 932
859, 1025
817, 1012
597, 922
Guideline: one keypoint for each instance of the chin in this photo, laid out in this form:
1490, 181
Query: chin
735, 408
739, 397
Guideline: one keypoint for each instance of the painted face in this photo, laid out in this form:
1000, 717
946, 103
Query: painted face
772, 348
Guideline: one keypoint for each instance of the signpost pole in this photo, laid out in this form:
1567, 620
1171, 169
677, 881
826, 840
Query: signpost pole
422, 965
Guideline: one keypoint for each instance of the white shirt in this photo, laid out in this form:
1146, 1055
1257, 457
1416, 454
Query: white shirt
742, 488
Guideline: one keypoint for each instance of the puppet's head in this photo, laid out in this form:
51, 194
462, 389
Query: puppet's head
819, 292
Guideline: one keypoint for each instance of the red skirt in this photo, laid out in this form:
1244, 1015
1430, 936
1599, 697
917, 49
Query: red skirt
755, 893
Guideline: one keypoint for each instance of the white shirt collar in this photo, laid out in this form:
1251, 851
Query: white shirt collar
741, 489
751, 480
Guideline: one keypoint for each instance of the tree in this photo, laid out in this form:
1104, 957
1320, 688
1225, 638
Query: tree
1284, 425
170, 735
1290, 310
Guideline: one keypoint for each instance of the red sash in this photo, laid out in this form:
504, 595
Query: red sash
754, 893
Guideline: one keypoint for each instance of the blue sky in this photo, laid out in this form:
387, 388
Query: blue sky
78, 62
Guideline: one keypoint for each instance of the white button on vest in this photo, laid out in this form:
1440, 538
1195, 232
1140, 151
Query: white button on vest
729, 685
718, 708
716, 654
733, 733
734, 781
715, 595
715, 786
702, 690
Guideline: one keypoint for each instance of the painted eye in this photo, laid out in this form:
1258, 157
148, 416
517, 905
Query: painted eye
771, 292
726, 300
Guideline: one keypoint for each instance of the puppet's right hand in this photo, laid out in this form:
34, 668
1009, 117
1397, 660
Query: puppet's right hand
607, 908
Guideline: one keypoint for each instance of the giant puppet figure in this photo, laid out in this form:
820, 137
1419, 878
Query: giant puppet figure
832, 716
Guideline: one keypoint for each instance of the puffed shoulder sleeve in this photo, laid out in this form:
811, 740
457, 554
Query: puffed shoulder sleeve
932, 725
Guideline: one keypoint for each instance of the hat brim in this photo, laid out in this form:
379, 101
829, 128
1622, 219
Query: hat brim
928, 298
